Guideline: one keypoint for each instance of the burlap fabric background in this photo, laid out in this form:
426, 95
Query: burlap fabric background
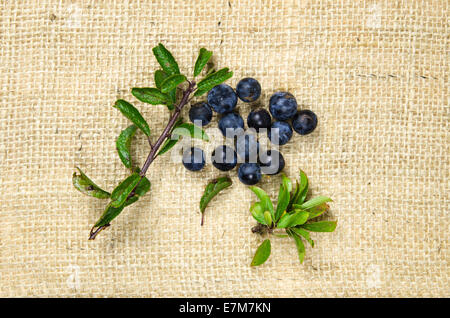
376, 74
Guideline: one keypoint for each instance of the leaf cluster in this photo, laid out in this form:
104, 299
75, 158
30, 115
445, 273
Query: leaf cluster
293, 214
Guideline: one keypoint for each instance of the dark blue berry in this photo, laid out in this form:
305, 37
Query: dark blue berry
248, 89
231, 123
200, 112
304, 122
272, 162
247, 147
282, 105
258, 119
194, 159
222, 99
224, 158
280, 133
249, 173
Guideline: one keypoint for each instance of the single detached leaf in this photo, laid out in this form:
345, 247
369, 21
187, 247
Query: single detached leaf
312, 203
123, 145
283, 201
212, 189
303, 233
172, 82
85, 185
262, 253
322, 226
318, 210
212, 80
202, 59
294, 219
166, 60
190, 130
257, 211
133, 115
300, 246
264, 198
150, 95
123, 190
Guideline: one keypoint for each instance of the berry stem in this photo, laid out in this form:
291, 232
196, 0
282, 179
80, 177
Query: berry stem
166, 133
154, 147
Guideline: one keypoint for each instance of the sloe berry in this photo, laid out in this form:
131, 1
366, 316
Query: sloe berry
304, 122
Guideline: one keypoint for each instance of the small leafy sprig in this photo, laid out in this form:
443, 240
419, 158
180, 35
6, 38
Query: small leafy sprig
168, 80
292, 214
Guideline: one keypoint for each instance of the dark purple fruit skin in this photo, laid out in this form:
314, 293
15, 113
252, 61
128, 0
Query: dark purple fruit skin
284, 133
200, 112
259, 118
224, 158
283, 105
231, 121
222, 99
249, 173
304, 122
193, 159
248, 89
268, 162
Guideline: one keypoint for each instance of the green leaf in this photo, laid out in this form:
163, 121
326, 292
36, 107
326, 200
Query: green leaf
143, 187
202, 59
167, 145
312, 203
294, 219
304, 234
257, 211
283, 201
322, 226
123, 145
85, 185
172, 82
151, 95
111, 212
318, 210
212, 80
190, 130
304, 185
264, 198
212, 189
108, 215
166, 60
133, 115
287, 183
170, 142
268, 218
160, 76
123, 190
300, 246
262, 253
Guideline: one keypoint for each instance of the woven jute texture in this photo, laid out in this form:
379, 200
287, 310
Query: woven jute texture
375, 73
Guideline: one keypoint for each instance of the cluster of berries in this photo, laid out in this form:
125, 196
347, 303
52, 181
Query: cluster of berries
254, 162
